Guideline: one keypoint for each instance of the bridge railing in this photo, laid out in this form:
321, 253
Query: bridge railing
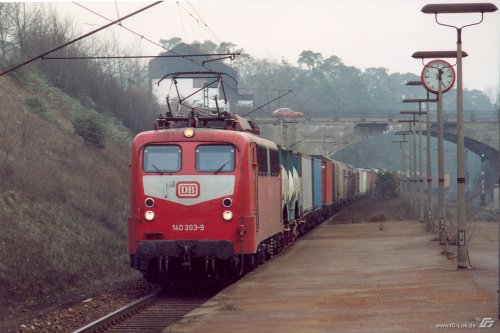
382, 116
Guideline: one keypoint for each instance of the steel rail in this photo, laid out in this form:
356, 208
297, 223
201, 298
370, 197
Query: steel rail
120, 314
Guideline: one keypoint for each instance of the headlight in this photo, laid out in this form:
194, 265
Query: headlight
149, 202
149, 215
227, 202
227, 215
189, 132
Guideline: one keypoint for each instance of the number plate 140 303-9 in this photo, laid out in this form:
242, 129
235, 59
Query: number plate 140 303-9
188, 227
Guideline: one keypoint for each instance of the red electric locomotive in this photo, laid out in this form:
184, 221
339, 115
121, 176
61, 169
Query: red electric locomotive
210, 197
205, 197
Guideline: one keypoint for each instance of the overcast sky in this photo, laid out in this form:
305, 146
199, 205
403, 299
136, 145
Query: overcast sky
363, 33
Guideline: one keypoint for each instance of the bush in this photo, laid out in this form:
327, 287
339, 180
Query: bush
91, 128
37, 104
386, 183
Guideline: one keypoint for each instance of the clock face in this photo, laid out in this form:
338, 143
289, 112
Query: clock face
430, 76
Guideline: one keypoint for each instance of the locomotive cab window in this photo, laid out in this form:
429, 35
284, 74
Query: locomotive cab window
162, 159
263, 160
215, 158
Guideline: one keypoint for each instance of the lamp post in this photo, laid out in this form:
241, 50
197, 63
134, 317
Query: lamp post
428, 203
413, 163
483, 194
454, 8
401, 188
438, 71
420, 179
403, 175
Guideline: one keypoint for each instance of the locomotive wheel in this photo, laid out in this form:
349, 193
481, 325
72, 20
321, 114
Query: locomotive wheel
261, 254
270, 249
239, 263
278, 244
252, 262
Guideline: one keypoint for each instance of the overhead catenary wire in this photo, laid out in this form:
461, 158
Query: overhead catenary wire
78, 39
274, 99
201, 23
139, 35
175, 53
198, 20
116, 8
183, 26
304, 138
186, 56
263, 89
205, 23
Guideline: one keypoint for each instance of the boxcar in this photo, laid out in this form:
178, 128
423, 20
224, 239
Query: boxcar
306, 180
317, 183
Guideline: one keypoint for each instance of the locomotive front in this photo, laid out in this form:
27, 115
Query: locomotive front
188, 209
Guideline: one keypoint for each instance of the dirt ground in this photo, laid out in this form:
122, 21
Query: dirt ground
362, 277
68, 311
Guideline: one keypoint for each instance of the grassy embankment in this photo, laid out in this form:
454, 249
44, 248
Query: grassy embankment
63, 204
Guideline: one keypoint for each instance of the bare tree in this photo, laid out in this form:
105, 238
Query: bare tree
15, 135
22, 18
6, 29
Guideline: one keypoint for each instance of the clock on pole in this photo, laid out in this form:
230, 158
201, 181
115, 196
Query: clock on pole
431, 73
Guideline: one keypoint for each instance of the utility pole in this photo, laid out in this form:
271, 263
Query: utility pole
483, 194
454, 8
498, 203
441, 206
413, 159
428, 202
430, 220
401, 186
404, 178
420, 181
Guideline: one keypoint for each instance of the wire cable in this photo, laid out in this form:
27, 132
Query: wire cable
274, 99
116, 8
137, 34
41, 56
185, 57
205, 24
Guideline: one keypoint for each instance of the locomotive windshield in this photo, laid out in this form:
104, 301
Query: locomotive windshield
219, 158
162, 159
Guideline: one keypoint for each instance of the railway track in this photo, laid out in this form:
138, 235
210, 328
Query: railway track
151, 313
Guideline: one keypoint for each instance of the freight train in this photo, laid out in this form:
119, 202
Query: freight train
209, 197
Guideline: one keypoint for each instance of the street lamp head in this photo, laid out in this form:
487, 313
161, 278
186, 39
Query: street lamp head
417, 100
437, 54
414, 83
456, 8
412, 112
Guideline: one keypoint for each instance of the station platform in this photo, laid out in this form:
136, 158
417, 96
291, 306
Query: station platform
360, 278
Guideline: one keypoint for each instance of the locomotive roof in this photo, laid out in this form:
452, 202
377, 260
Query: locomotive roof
206, 134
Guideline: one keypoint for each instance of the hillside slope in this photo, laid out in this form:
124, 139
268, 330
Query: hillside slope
62, 203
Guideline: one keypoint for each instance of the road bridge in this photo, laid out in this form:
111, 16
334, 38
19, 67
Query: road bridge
481, 130
330, 133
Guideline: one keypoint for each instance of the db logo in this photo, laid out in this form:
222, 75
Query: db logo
188, 189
